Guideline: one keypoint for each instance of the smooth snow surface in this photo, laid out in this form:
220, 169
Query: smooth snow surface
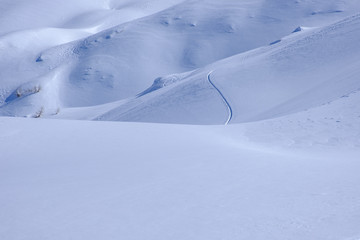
294, 177
161, 78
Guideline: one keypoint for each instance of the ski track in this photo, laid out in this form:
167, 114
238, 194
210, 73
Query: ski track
223, 98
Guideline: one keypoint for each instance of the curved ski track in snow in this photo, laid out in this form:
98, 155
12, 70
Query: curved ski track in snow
223, 98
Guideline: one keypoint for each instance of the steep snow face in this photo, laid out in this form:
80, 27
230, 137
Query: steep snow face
299, 73
123, 61
303, 70
182, 38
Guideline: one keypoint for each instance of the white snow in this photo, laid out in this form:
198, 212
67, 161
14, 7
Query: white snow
295, 177
161, 78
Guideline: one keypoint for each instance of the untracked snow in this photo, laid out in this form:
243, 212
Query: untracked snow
294, 177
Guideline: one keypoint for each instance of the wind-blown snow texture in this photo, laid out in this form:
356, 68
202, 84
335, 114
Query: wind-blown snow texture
283, 75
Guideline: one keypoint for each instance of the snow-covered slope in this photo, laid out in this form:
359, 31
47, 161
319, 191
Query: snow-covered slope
123, 61
295, 177
28, 28
20, 15
283, 73
305, 69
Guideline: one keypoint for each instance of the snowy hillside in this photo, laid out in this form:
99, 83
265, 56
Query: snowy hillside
282, 75
304, 70
163, 38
